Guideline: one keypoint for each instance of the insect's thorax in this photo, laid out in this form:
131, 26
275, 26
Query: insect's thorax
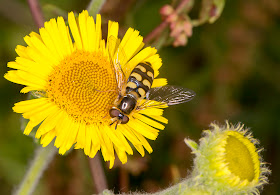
140, 80
127, 104
138, 84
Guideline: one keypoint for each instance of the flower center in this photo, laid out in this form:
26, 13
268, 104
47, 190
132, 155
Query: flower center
83, 85
241, 157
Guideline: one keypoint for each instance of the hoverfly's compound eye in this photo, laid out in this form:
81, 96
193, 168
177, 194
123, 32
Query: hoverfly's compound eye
125, 119
114, 112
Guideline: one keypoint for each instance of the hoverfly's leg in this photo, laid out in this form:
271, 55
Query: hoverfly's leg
113, 122
119, 54
105, 91
38, 94
118, 122
119, 75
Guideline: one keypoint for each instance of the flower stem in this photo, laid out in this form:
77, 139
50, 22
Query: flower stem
43, 157
155, 32
182, 6
187, 186
164, 24
36, 13
98, 174
95, 6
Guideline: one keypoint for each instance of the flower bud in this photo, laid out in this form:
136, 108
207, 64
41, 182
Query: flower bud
180, 40
228, 161
166, 10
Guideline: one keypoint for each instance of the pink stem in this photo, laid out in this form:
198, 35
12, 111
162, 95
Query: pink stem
98, 174
155, 32
181, 6
36, 13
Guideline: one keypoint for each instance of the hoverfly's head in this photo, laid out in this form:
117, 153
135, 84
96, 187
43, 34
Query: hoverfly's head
115, 113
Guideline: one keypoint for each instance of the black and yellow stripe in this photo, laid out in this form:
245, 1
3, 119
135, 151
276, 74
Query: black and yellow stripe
140, 80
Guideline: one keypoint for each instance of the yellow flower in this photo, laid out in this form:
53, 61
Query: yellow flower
77, 87
228, 162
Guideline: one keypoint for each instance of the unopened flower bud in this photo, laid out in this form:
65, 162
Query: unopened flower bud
176, 30
188, 28
180, 40
228, 161
166, 10
172, 17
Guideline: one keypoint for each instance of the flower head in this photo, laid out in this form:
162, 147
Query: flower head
228, 161
77, 86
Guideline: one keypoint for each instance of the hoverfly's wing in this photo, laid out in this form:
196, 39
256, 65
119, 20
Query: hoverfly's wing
117, 54
171, 95
166, 96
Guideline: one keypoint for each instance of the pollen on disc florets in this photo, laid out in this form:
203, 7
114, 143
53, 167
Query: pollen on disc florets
83, 85
228, 161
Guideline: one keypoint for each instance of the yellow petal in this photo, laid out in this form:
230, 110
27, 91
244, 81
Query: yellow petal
123, 140
131, 43
113, 29
52, 29
149, 121
151, 111
21, 51
121, 154
48, 41
65, 35
159, 82
144, 129
95, 142
140, 57
61, 131
49, 123
144, 142
74, 30
81, 137
83, 29
98, 31
47, 138
91, 34
29, 105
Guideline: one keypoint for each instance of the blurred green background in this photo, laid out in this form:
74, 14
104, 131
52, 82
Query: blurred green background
233, 65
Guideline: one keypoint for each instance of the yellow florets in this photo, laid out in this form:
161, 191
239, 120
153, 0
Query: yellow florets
83, 85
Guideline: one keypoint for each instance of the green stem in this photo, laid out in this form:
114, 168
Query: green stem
43, 157
95, 6
186, 187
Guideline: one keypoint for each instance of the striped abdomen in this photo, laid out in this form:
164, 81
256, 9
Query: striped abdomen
140, 80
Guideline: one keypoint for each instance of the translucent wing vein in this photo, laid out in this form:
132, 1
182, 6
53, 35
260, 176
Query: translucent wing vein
171, 95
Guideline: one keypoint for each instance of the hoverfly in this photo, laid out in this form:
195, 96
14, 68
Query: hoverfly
138, 86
